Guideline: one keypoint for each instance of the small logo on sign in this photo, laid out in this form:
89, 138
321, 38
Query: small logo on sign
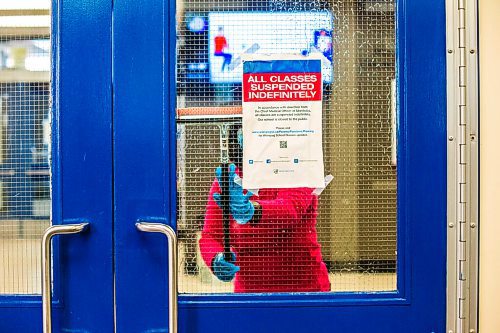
268, 161
275, 171
295, 160
250, 161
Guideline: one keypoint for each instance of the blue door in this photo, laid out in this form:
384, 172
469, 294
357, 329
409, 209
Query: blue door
56, 168
376, 233
117, 142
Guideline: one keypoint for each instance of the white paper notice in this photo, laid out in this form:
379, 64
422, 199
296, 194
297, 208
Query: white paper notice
282, 122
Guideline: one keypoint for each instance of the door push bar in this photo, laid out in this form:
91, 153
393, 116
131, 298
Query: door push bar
172, 272
52, 231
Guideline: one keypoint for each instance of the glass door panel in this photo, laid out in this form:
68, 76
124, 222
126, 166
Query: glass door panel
356, 223
25, 198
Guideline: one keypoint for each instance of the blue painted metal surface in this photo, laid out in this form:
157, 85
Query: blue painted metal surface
141, 164
85, 155
144, 76
82, 175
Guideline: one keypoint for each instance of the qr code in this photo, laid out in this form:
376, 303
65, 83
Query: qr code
283, 144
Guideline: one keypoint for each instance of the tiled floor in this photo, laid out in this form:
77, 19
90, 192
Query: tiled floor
20, 266
206, 282
343, 282
20, 262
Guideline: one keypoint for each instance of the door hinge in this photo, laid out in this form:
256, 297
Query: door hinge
462, 166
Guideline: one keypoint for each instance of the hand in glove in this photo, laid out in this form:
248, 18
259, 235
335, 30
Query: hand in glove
224, 270
239, 204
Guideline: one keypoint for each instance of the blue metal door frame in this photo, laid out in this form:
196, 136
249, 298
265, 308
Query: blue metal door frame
145, 188
144, 140
81, 175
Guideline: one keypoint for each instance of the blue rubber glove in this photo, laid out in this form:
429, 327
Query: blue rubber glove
223, 270
239, 204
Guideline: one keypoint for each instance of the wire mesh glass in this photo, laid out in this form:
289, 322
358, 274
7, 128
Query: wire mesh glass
25, 198
356, 219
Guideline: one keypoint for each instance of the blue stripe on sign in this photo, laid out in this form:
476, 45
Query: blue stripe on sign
282, 66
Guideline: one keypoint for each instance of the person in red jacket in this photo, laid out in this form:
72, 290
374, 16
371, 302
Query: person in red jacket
273, 238
220, 44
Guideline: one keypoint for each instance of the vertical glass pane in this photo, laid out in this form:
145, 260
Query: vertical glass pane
25, 199
356, 218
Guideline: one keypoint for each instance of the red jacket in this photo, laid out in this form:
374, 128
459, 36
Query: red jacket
280, 253
220, 44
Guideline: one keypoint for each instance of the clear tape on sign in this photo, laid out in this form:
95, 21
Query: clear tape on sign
328, 179
238, 180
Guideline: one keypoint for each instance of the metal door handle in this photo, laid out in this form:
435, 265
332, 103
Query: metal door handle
46, 267
172, 272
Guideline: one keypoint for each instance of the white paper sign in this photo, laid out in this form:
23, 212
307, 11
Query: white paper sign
282, 122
